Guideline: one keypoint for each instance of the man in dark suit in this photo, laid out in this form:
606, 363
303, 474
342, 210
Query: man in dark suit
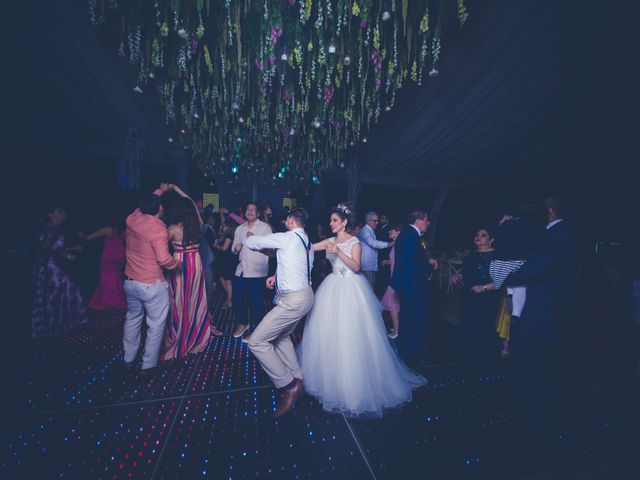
540, 339
383, 276
382, 232
410, 280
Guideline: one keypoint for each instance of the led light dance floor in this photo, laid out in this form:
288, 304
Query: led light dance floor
69, 410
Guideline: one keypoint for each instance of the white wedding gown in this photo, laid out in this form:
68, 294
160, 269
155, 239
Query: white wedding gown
345, 356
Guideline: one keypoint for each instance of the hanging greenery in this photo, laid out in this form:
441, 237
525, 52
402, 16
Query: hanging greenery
269, 89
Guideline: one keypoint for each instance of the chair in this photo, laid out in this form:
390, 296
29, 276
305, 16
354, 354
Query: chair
442, 272
455, 268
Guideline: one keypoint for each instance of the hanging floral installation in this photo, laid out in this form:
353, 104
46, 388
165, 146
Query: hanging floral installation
269, 89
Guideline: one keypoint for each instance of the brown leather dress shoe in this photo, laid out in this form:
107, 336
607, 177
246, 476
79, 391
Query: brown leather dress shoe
289, 397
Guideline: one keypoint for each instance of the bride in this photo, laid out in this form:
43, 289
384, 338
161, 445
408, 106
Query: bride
346, 359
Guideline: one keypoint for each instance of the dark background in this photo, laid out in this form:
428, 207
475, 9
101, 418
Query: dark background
62, 141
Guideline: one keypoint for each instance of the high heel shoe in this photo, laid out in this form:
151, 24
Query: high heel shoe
392, 335
216, 332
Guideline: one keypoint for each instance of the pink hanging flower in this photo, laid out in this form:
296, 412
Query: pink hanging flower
328, 94
363, 23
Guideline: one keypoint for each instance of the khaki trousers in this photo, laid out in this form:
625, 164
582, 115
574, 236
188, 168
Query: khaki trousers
270, 342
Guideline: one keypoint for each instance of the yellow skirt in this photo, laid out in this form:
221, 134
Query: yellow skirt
503, 322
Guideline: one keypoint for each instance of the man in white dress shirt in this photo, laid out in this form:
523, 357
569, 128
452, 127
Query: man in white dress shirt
270, 342
370, 247
253, 268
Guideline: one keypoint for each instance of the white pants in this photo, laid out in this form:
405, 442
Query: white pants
270, 342
152, 299
518, 299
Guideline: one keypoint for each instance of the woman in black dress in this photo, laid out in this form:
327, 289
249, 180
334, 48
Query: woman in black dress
479, 342
226, 261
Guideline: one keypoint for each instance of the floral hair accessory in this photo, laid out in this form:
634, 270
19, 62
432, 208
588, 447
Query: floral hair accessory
344, 208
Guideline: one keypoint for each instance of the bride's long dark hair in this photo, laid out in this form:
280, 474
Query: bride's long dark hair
346, 212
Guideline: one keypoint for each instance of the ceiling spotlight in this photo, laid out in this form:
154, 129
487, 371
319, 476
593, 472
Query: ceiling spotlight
235, 106
351, 143
195, 115
386, 15
241, 120
234, 169
182, 33
170, 140
332, 47
183, 131
347, 60
341, 164
434, 72
364, 140
316, 122
152, 75
284, 57
292, 131
315, 179
388, 108
137, 89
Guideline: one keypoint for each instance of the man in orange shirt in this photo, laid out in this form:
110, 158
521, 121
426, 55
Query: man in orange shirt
147, 292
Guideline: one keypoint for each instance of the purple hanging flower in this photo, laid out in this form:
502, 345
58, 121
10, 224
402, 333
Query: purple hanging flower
328, 94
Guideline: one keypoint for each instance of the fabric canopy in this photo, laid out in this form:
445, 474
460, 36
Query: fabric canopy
528, 88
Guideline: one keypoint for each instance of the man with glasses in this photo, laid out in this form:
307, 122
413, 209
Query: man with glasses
370, 246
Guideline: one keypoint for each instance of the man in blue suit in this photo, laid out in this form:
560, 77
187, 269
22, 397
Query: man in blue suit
410, 280
549, 276
539, 340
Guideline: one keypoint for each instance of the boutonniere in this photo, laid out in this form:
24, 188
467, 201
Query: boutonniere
424, 244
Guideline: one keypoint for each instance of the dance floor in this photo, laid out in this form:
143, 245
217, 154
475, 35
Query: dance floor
71, 411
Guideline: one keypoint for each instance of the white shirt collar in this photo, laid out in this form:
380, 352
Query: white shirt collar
555, 222
417, 230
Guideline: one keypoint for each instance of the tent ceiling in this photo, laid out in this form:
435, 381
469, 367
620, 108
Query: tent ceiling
524, 91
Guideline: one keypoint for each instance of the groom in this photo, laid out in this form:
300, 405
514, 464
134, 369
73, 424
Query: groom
270, 342
410, 280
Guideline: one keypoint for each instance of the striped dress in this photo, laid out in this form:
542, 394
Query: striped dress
188, 325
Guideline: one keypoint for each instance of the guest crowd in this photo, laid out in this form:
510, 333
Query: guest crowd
162, 263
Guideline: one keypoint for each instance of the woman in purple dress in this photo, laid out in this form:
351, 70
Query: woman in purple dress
57, 303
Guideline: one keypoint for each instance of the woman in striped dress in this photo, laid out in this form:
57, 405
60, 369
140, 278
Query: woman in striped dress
189, 325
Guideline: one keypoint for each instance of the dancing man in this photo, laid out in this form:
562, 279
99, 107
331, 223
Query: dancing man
270, 342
